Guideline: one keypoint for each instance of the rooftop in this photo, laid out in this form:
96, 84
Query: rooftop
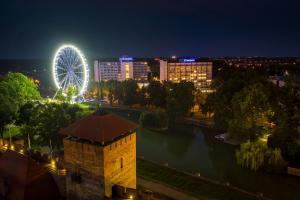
101, 126
24, 178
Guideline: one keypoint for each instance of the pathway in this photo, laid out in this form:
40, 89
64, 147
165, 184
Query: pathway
165, 190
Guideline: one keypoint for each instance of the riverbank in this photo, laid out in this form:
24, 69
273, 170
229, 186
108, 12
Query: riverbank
193, 185
159, 188
195, 121
194, 149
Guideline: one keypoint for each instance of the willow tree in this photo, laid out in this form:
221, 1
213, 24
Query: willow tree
256, 155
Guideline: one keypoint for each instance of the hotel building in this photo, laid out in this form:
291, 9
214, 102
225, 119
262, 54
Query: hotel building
198, 72
105, 71
124, 69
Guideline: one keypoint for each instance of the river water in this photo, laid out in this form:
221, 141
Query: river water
194, 149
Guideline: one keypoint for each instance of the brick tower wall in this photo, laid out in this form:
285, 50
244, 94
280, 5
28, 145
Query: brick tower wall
85, 160
120, 163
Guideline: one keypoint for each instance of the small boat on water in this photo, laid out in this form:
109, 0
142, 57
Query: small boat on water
221, 137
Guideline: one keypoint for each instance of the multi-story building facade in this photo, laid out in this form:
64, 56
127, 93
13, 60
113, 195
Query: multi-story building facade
141, 70
198, 72
105, 71
124, 69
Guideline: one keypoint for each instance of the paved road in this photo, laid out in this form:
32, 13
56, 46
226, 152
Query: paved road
165, 190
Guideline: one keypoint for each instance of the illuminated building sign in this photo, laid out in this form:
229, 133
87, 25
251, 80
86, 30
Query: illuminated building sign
187, 60
125, 59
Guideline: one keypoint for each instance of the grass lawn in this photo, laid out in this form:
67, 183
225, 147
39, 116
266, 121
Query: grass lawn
185, 183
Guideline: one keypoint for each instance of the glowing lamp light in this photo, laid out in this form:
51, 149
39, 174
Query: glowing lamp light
53, 164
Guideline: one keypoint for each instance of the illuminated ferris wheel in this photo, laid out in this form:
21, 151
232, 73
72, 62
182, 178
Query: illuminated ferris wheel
70, 69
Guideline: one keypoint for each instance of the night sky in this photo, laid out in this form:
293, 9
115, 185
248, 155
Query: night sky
140, 28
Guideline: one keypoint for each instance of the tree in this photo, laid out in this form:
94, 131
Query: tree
8, 110
142, 99
115, 91
26, 111
157, 94
251, 155
71, 91
15, 91
67, 95
287, 119
227, 84
180, 100
113, 95
155, 120
200, 98
130, 92
60, 96
44, 120
257, 155
251, 112
44, 124
219, 102
19, 87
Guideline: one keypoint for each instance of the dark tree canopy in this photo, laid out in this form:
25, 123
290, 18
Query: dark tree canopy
180, 100
157, 94
19, 87
251, 110
15, 91
287, 119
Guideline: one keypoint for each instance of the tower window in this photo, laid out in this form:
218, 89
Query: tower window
121, 163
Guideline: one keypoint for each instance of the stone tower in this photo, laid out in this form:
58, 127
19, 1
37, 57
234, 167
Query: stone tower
99, 153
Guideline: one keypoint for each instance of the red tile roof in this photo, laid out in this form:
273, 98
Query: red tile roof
26, 179
100, 126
